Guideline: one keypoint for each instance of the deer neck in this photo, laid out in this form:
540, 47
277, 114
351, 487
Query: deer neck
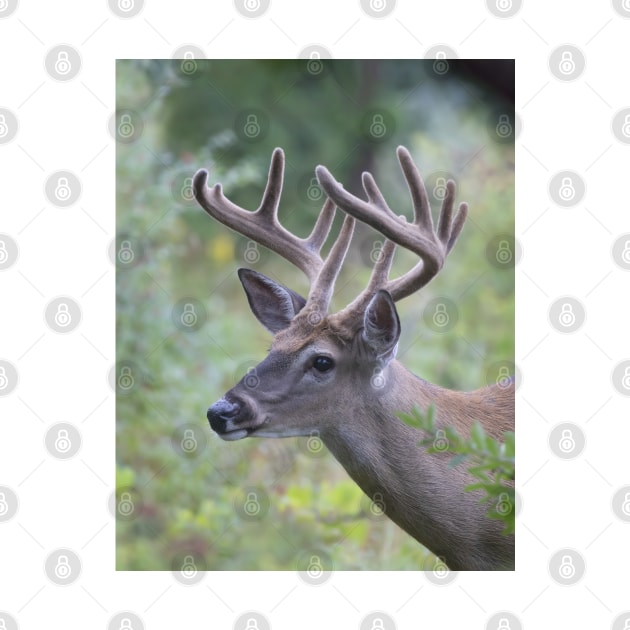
419, 491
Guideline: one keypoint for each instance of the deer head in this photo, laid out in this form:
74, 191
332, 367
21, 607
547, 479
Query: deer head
320, 363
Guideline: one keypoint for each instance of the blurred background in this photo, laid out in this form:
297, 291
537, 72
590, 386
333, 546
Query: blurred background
185, 499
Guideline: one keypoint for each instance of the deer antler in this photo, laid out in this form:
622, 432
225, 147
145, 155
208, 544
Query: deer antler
263, 226
419, 236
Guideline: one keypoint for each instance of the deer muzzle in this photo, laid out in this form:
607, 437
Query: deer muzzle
231, 419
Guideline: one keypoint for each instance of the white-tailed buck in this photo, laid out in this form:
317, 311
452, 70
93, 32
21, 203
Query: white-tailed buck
336, 375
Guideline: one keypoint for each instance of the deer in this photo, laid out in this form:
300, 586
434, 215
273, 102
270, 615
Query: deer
335, 375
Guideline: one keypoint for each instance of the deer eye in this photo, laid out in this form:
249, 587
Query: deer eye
323, 363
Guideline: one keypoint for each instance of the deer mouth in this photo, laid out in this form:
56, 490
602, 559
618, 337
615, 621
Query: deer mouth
234, 434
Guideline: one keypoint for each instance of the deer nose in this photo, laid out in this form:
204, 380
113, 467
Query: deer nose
223, 410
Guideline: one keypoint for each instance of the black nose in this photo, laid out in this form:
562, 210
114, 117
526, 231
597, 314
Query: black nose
222, 411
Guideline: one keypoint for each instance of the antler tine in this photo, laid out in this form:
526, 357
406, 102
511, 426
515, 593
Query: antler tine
419, 236
262, 225
322, 289
419, 198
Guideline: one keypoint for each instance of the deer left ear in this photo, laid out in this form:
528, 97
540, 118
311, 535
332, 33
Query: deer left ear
273, 304
381, 327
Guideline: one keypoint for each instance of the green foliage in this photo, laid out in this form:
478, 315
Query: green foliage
488, 460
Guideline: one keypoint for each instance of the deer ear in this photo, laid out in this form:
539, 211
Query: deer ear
273, 304
381, 327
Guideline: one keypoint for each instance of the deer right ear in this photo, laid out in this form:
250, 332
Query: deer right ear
381, 327
273, 304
